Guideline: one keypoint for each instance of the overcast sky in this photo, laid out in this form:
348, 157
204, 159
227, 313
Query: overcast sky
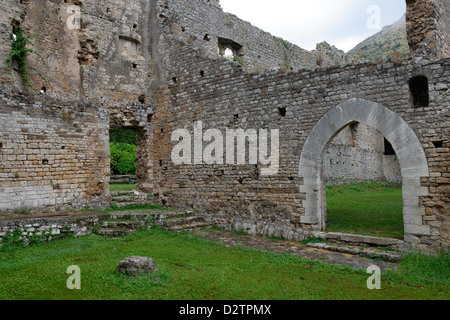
343, 23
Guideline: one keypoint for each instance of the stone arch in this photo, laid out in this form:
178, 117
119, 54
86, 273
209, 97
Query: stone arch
407, 146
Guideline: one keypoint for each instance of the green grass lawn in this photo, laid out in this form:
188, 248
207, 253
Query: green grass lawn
121, 187
373, 208
193, 268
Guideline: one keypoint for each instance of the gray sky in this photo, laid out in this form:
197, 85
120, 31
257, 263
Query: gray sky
343, 23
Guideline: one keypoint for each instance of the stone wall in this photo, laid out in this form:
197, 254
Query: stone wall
99, 50
357, 154
255, 49
226, 97
428, 28
38, 229
53, 154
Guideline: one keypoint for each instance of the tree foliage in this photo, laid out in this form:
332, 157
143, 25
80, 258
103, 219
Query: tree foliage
122, 136
123, 158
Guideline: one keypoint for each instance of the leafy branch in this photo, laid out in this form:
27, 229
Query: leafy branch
20, 52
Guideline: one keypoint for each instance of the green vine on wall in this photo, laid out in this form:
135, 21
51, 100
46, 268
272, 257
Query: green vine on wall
20, 52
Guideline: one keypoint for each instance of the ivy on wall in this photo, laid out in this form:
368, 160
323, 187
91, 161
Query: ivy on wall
19, 53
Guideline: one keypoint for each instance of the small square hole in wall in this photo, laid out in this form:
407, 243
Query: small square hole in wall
438, 144
45, 161
282, 112
174, 79
1, 146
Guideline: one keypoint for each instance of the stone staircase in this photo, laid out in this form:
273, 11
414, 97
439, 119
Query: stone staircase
126, 223
126, 198
386, 249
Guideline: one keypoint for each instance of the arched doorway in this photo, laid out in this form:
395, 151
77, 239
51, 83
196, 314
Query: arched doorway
407, 146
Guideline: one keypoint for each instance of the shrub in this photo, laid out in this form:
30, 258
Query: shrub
123, 158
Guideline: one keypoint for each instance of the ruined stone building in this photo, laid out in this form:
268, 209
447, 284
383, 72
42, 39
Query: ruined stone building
156, 66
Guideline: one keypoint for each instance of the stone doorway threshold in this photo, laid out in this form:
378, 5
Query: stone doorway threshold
295, 248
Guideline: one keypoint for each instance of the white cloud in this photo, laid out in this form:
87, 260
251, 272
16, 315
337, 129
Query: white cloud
340, 22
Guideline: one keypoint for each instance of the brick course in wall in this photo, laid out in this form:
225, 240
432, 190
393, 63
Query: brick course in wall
53, 155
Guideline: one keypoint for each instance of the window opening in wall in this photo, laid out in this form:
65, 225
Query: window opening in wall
363, 184
282, 111
418, 87
230, 49
228, 53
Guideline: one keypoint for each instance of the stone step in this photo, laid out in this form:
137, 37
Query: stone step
123, 224
192, 222
190, 227
177, 222
115, 232
129, 203
169, 215
389, 256
122, 193
356, 239
127, 199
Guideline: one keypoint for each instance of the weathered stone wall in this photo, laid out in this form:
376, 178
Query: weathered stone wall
53, 154
99, 50
205, 25
225, 97
357, 154
428, 28
39, 229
